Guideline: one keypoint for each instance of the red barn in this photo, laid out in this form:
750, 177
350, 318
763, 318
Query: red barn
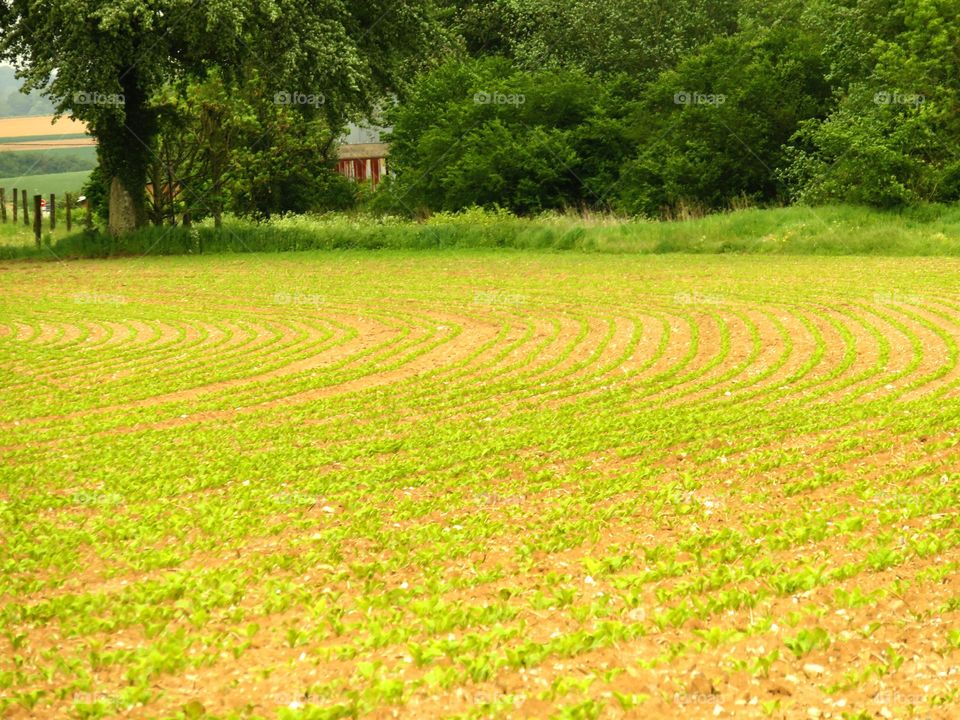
362, 155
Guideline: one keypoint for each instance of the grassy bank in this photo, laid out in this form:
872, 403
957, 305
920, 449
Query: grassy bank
840, 230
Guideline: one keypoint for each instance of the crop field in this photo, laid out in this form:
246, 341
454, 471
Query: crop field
40, 126
57, 183
75, 144
38, 138
480, 484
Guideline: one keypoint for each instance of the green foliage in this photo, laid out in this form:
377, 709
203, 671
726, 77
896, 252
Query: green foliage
892, 139
650, 108
97, 191
486, 133
697, 106
607, 37
19, 164
106, 64
712, 131
282, 162
930, 231
238, 149
484, 27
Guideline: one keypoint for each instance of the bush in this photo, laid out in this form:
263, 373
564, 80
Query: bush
97, 191
711, 133
482, 132
891, 141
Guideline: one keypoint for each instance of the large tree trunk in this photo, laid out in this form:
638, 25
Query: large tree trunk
126, 214
125, 148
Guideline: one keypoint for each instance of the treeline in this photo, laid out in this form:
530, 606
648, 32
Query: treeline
20, 164
13, 103
655, 108
665, 108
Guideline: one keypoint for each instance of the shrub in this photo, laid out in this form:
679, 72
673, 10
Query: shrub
711, 132
482, 132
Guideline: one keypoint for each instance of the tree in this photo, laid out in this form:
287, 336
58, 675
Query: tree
483, 132
606, 37
283, 162
484, 27
610, 37
713, 129
199, 129
892, 139
105, 63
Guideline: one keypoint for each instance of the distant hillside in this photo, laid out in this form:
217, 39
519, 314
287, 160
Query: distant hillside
45, 162
38, 146
13, 103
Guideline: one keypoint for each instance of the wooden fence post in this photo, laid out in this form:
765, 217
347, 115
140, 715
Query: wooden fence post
69, 198
26, 213
3, 206
15, 209
37, 217
53, 212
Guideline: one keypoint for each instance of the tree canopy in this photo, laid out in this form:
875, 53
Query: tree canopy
106, 63
689, 104
644, 107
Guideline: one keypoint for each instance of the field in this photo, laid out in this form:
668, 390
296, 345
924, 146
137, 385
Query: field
39, 126
74, 144
37, 138
480, 484
58, 183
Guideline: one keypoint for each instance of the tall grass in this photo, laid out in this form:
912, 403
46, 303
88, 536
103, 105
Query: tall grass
834, 230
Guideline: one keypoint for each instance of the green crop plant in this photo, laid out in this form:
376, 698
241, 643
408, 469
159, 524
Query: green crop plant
436, 481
